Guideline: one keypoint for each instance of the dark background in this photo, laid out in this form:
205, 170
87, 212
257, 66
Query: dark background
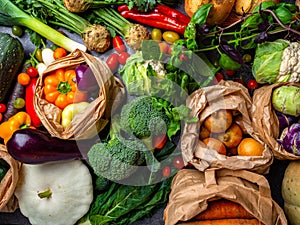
274, 177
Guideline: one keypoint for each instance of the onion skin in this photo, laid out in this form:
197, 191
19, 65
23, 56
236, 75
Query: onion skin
85, 78
290, 139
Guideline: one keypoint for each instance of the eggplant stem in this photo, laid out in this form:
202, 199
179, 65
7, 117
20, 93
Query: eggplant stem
45, 194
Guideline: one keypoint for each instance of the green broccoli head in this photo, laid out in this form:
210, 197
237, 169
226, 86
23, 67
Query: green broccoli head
116, 159
141, 118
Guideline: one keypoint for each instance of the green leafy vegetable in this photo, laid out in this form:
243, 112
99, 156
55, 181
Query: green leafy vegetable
123, 204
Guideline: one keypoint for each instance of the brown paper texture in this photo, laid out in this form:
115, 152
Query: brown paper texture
8, 202
265, 122
205, 101
191, 191
88, 123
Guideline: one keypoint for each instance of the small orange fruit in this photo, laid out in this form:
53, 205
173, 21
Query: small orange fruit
250, 147
215, 144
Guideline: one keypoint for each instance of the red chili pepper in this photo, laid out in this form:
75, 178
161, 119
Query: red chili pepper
118, 44
29, 106
168, 11
156, 20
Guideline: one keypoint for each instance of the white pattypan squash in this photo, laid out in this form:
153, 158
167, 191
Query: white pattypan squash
54, 193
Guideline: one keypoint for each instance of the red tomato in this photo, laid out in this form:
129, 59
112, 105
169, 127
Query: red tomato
118, 44
166, 172
159, 141
123, 57
178, 162
32, 71
230, 72
164, 47
170, 50
218, 77
113, 62
252, 84
2, 108
183, 57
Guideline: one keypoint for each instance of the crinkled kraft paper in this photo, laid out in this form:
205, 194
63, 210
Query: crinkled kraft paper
8, 202
192, 190
203, 102
265, 122
89, 122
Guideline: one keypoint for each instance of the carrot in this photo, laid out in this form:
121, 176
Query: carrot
223, 222
224, 209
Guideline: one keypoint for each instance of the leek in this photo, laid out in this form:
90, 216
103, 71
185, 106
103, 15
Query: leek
11, 15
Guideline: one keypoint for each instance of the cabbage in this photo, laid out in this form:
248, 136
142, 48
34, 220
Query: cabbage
267, 60
286, 99
290, 139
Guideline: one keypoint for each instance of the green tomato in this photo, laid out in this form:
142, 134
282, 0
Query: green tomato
227, 63
19, 103
38, 55
16, 30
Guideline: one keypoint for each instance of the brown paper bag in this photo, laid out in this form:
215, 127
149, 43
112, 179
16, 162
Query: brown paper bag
8, 202
191, 191
265, 122
205, 101
88, 123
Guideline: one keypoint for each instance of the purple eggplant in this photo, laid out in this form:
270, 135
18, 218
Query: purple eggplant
285, 120
34, 146
290, 139
85, 78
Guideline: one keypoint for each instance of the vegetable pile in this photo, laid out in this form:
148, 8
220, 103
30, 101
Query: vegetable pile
161, 55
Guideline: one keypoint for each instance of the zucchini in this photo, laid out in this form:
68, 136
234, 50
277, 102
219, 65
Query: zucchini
11, 60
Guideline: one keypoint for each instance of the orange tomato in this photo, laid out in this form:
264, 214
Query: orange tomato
60, 88
59, 53
23, 79
215, 144
250, 147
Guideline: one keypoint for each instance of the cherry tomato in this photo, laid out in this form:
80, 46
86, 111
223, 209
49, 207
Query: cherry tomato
230, 72
166, 172
59, 53
32, 71
183, 57
178, 162
118, 44
113, 62
164, 47
2, 108
159, 141
23, 79
19, 103
156, 34
252, 84
219, 76
17, 30
170, 50
123, 57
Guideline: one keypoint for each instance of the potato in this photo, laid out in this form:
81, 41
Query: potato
218, 13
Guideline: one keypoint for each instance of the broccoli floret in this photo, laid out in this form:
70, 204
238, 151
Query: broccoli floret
118, 158
102, 183
141, 118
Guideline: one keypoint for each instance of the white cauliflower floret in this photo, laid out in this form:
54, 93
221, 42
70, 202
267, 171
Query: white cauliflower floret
290, 66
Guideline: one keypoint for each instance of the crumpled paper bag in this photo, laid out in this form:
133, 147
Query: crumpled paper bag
265, 122
8, 202
192, 190
203, 102
89, 122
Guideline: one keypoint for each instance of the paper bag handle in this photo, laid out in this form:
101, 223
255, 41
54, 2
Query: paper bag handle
263, 185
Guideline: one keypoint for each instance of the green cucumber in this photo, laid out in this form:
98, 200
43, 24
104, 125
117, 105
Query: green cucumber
11, 60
